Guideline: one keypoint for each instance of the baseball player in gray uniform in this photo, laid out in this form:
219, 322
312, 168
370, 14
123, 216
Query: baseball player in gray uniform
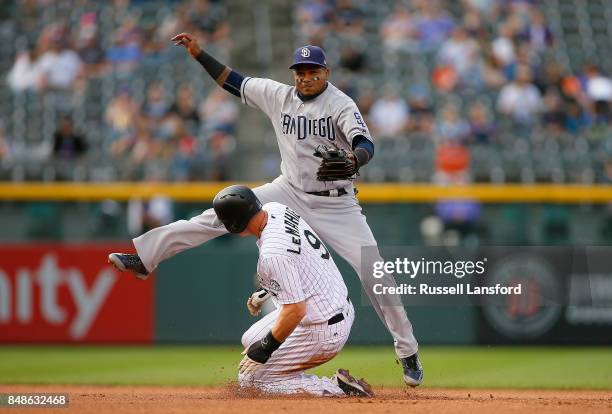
323, 143
313, 315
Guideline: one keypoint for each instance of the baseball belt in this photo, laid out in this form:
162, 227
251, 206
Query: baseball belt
339, 317
336, 192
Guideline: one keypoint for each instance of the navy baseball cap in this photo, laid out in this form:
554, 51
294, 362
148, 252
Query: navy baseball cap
309, 54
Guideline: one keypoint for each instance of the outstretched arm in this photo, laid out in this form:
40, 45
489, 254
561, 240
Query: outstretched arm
225, 77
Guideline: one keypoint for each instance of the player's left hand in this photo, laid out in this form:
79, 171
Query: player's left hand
247, 366
336, 164
259, 352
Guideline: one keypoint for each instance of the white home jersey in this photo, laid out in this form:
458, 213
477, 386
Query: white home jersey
330, 118
294, 265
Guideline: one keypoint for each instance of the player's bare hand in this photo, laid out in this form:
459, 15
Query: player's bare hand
189, 42
253, 310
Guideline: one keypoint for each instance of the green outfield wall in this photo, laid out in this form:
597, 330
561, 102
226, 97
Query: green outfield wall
200, 296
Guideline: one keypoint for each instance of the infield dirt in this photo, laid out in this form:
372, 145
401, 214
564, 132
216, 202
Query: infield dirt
122, 399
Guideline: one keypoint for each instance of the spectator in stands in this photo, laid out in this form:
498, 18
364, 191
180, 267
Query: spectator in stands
352, 56
22, 76
125, 53
92, 56
220, 148
482, 128
492, 74
389, 114
155, 107
348, 86
172, 24
554, 117
88, 45
474, 24
121, 114
524, 57
462, 53
348, 19
398, 31
537, 34
365, 100
577, 119
451, 127
58, 67
120, 7
142, 146
184, 107
434, 25
422, 114
313, 17
183, 147
503, 46
521, 100
67, 143
487, 8
219, 112
204, 18
550, 77
166, 128
598, 88
452, 163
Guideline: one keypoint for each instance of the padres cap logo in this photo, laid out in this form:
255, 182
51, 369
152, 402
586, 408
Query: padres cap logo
305, 52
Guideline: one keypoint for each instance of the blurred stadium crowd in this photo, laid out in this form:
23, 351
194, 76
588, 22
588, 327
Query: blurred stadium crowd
486, 90
98, 92
453, 91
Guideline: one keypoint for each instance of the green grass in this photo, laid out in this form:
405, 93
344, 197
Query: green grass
456, 367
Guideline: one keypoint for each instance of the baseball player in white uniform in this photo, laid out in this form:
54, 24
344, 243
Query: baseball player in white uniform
323, 142
313, 315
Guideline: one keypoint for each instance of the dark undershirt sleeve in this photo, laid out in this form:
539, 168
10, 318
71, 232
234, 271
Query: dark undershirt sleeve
215, 69
363, 149
233, 82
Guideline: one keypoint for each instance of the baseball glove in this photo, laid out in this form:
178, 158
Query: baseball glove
336, 164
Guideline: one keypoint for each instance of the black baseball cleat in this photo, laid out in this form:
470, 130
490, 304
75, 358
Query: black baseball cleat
129, 263
413, 370
351, 386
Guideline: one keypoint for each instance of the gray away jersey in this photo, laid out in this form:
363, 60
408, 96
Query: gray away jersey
294, 266
330, 118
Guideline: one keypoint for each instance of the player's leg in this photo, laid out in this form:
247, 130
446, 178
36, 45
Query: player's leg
284, 371
163, 242
305, 348
343, 228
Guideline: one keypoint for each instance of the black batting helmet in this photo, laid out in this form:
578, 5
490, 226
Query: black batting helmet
235, 206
